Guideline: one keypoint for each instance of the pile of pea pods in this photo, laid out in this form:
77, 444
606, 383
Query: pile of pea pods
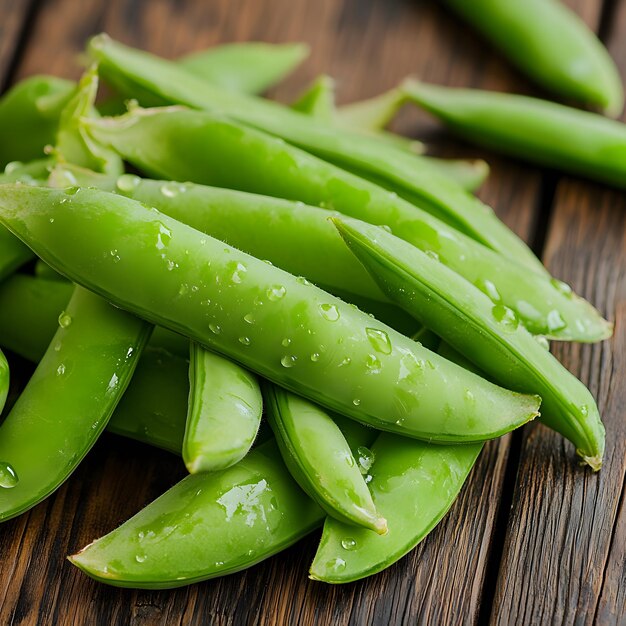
323, 322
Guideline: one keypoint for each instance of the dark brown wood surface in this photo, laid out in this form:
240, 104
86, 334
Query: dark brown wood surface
533, 538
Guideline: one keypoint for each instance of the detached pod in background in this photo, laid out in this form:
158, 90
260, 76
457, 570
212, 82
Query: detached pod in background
537, 131
552, 45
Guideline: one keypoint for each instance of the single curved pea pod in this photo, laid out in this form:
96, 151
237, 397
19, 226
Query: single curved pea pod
68, 401
225, 409
29, 116
250, 67
552, 45
320, 460
413, 485
193, 145
301, 337
207, 525
353, 150
487, 334
541, 132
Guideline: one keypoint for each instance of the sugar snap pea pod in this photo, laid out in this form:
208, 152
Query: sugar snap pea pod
193, 145
45, 272
250, 67
29, 116
273, 323
489, 335
551, 44
207, 525
436, 193
225, 408
535, 130
413, 485
68, 401
73, 144
320, 460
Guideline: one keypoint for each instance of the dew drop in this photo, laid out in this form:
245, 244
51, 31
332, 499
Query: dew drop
365, 459
289, 360
276, 292
542, 341
248, 318
164, 237
373, 364
215, 328
61, 370
286, 342
244, 340
506, 317
301, 280
432, 254
127, 183
489, 289
584, 410
315, 357
379, 339
356, 401
115, 256
337, 565
348, 543
555, 321
238, 271
12, 167
65, 320
562, 287
385, 227
140, 558
183, 289
346, 361
469, 396
170, 190
8, 476
329, 312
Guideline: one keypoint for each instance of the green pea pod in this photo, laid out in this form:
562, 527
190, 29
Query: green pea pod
29, 116
207, 525
45, 272
535, 130
153, 408
250, 67
469, 174
73, 144
301, 337
320, 460
407, 172
192, 145
488, 335
13, 253
225, 408
413, 485
550, 43
68, 401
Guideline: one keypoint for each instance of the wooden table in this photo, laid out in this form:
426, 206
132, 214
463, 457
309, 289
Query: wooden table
533, 538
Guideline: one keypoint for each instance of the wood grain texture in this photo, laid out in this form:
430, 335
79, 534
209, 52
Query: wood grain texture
563, 557
368, 46
14, 19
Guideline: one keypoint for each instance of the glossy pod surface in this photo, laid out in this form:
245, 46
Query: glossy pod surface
225, 408
413, 485
68, 401
487, 334
207, 525
152, 410
541, 132
549, 42
320, 460
277, 325
193, 145
435, 192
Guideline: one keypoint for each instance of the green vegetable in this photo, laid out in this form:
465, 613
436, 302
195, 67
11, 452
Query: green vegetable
535, 130
318, 100
199, 146
249, 67
550, 43
207, 525
487, 334
413, 485
277, 325
4, 380
225, 408
68, 401
29, 115
349, 149
320, 460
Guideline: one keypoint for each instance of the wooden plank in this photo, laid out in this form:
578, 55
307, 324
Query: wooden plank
368, 46
564, 558
13, 17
